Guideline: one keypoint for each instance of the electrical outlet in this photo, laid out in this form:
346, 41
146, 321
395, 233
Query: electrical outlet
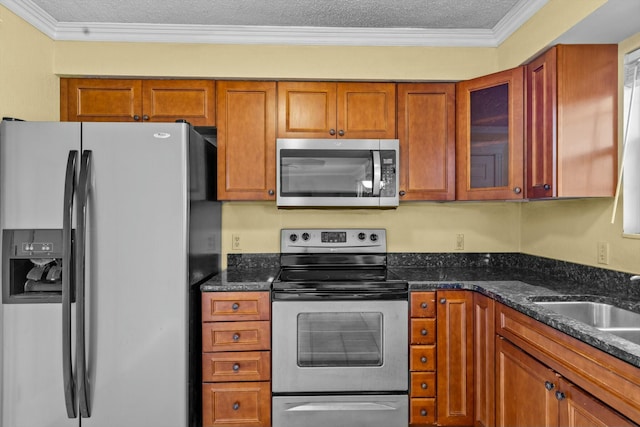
459, 242
235, 242
603, 253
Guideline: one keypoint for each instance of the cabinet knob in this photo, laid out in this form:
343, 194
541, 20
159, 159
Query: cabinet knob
560, 395
423, 359
423, 305
271, 192
341, 132
424, 386
136, 117
517, 190
236, 367
235, 306
549, 385
402, 193
546, 187
236, 337
236, 406
145, 117
332, 132
423, 332
423, 412
443, 300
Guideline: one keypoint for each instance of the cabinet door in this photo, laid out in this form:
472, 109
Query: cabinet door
541, 129
484, 360
246, 140
525, 389
579, 409
171, 100
100, 100
490, 135
366, 110
307, 109
426, 130
455, 358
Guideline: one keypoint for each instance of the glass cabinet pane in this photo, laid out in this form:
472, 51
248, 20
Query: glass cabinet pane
489, 137
339, 339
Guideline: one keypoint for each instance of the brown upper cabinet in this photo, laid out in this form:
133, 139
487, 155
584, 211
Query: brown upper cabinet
490, 137
336, 110
246, 140
426, 130
571, 122
119, 100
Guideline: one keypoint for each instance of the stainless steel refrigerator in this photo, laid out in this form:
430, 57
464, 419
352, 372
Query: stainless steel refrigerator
107, 231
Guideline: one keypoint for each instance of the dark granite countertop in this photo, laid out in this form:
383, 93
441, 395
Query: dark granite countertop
510, 283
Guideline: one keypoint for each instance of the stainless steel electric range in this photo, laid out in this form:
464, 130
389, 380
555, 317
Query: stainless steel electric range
340, 332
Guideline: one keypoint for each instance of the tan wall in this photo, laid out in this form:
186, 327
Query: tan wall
28, 87
566, 230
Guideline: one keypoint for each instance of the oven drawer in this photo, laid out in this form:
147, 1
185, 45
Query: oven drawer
422, 358
423, 384
423, 304
236, 336
423, 411
235, 306
343, 411
423, 331
236, 404
236, 366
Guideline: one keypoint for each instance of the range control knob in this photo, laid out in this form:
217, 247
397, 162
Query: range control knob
293, 237
373, 237
305, 236
362, 236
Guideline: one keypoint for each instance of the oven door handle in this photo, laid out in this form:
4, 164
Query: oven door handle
377, 173
341, 406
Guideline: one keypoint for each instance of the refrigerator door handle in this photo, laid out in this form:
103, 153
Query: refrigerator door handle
81, 235
67, 363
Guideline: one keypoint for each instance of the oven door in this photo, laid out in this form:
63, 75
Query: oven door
340, 346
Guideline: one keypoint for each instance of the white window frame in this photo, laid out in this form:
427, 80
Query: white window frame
630, 167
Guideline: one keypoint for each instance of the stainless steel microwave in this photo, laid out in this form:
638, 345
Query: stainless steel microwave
337, 172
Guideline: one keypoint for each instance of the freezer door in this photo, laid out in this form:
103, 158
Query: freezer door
33, 157
136, 288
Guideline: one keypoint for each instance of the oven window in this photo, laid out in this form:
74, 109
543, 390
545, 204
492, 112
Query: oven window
339, 339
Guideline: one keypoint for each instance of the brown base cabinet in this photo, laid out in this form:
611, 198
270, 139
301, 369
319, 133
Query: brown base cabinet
484, 333
236, 359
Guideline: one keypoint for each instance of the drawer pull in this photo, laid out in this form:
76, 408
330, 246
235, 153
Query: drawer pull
236, 367
423, 359
549, 385
443, 300
423, 332
236, 337
423, 305
235, 306
236, 406
423, 412
560, 395
424, 386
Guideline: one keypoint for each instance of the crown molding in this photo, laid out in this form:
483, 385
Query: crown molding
233, 34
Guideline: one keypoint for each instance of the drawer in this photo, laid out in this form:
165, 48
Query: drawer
423, 331
422, 411
245, 404
423, 384
236, 366
236, 336
234, 306
423, 304
422, 358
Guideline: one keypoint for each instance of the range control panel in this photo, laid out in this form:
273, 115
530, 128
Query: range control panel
350, 240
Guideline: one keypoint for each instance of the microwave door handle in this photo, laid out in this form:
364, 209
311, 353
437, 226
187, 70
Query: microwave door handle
377, 173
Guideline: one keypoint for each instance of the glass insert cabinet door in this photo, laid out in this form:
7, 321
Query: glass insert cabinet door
340, 339
490, 138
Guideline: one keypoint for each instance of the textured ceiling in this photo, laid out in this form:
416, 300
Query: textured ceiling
472, 14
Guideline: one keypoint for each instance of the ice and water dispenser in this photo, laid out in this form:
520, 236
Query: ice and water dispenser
32, 266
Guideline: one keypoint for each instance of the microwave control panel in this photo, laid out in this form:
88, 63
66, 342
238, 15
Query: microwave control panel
388, 168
